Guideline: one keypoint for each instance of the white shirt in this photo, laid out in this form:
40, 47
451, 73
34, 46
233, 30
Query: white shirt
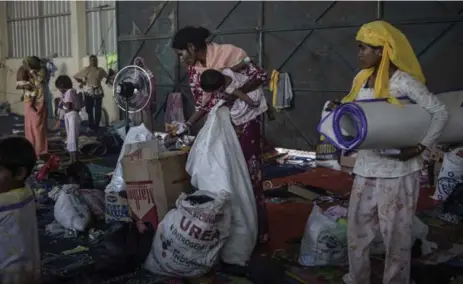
241, 112
19, 237
369, 163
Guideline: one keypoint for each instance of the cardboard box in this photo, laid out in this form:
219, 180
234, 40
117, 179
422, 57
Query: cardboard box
154, 180
117, 207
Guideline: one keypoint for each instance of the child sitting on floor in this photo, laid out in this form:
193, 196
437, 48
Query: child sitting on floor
245, 106
72, 104
19, 240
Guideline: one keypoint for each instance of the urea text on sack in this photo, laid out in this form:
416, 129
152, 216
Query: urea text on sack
196, 232
140, 191
185, 240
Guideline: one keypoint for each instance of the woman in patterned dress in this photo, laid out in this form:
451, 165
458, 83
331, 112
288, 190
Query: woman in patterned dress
35, 105
190, 45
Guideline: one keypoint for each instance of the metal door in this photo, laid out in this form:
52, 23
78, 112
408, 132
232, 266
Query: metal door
313, 41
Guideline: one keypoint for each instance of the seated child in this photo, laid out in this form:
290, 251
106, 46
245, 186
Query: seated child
72, 104
246, 107
19, 239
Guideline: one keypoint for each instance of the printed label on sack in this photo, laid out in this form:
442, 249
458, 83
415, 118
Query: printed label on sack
140, 197
116, 208
329, 249
175, 256
186, 236
117, 211
187, 232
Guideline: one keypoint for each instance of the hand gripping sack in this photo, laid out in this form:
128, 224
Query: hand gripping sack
189, 238
216, 162
324, 241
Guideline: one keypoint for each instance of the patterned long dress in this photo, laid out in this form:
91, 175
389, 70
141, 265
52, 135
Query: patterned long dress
250, 135
35, 122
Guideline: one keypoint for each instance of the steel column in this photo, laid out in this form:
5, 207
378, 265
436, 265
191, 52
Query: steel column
177, 26
379, 9
260, 34
41, 30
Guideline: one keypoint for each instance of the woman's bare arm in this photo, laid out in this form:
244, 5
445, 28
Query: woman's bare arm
195, 117
244, 97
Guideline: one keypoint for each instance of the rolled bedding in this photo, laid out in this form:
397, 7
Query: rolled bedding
377, 124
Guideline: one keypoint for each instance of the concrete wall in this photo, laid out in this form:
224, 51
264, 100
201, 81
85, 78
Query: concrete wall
66, 65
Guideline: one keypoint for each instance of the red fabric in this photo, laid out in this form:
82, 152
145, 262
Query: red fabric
51, 165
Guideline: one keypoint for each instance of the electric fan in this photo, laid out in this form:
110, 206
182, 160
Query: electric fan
131, 91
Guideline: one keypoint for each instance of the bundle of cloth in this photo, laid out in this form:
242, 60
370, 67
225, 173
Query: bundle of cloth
361, 124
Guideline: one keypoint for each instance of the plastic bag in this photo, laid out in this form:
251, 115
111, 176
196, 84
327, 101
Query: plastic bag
324, 241
70, 211
188, 240
216, 162
136, 134
51, 165
451, 174
419, 231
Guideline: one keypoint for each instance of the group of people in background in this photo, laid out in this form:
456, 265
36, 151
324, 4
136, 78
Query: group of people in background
33, 79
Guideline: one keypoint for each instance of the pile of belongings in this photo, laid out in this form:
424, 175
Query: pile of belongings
324, 242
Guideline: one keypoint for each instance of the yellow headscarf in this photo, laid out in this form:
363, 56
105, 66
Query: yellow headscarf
396, 49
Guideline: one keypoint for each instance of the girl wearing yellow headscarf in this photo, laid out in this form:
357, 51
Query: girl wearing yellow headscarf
386, 188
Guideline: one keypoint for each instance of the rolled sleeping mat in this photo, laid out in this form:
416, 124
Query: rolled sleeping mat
377, 124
